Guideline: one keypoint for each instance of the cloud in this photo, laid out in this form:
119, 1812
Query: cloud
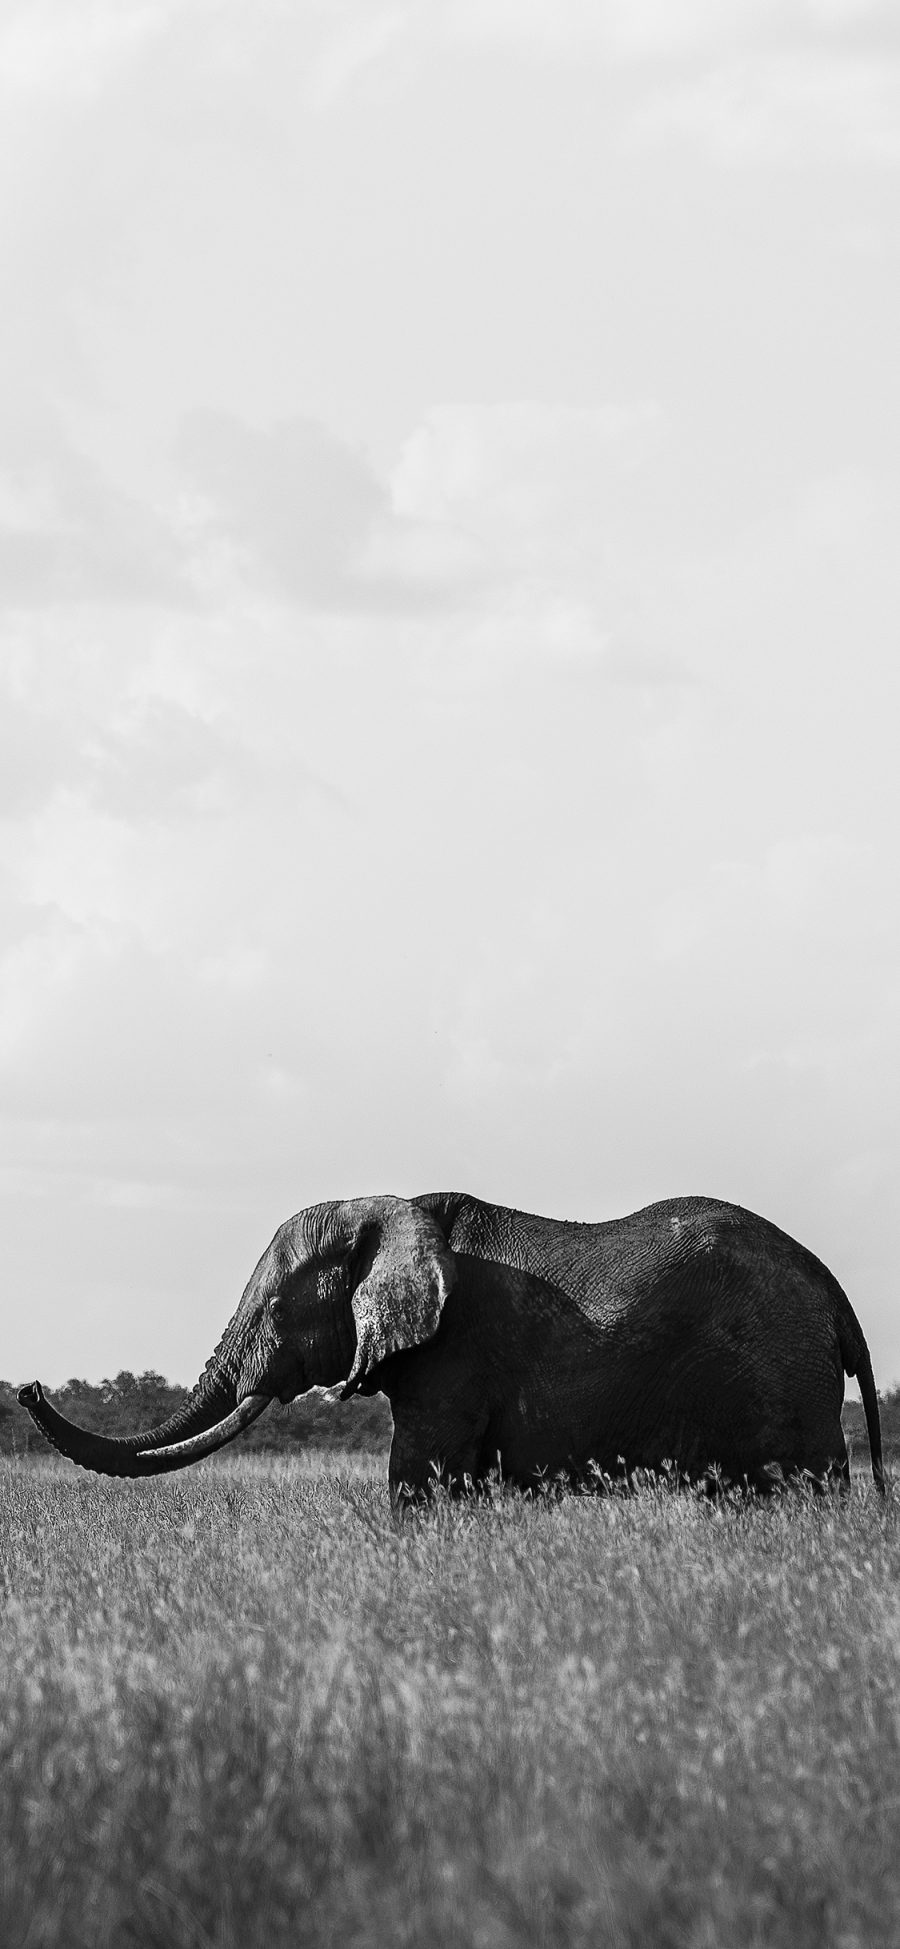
747, 80
783, 105
570, 28
71, 49
791, 888
731, 73
539, 497
504, 524
850, 516
366, 40
163, 763
650, 30
296, 503
294, 510
303, 513
478, 496
513, 514
68, 534
532, 481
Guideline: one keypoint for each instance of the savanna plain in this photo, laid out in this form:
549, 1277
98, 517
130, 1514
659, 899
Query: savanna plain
242, 1706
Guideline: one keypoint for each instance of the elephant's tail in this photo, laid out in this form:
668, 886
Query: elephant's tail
858, 1360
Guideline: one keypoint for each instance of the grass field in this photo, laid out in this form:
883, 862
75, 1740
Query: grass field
239, 1707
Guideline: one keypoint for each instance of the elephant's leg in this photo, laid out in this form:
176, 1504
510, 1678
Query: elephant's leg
435, 1441
411, 1469
821, 1463
821, 1454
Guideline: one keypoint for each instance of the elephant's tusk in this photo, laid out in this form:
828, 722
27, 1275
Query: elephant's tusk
195, 1446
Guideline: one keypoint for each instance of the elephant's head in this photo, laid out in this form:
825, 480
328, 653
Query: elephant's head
340, 1288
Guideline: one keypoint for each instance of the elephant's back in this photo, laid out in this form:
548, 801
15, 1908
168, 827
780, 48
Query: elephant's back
718, 1256
679, 1258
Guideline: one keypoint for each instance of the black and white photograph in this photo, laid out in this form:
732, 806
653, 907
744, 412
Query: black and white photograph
449, 974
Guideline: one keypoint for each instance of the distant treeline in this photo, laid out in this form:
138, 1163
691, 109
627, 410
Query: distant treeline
133, 1402
855, 1426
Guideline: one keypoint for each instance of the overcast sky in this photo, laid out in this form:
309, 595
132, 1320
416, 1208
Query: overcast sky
449, 599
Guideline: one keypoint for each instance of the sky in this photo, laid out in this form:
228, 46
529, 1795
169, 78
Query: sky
449, 598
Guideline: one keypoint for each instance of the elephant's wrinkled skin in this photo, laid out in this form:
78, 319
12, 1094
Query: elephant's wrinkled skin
691, 1333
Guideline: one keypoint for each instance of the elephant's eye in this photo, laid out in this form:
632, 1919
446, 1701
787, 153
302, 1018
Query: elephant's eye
277, 1308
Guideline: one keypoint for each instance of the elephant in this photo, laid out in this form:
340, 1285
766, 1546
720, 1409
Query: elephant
692, 1336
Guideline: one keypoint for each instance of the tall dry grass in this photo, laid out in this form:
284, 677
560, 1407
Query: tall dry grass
239, 1707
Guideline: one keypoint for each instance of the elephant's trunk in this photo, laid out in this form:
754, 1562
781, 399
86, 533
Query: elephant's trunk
209, 1417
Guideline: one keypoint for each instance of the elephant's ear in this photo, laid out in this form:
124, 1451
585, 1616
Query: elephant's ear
406, 1272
